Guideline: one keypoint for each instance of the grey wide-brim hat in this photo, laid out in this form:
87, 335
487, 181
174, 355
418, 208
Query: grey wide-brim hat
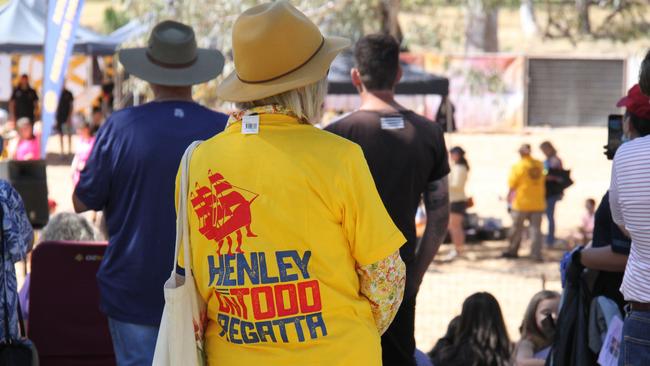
172, 58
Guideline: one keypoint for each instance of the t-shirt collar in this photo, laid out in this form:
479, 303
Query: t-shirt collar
282, 113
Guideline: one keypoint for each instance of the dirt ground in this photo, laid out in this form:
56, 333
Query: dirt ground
447, 284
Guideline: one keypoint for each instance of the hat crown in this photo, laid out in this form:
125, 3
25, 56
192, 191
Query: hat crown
172, 44
271, 40
636, 103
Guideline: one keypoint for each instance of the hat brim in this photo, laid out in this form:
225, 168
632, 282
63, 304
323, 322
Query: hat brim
208, 65
234, 90
623, 102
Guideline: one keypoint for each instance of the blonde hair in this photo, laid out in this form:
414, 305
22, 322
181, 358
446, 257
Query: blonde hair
23, 122
306, 102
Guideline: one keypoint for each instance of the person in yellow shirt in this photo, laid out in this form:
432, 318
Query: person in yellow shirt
527, 190
292, 248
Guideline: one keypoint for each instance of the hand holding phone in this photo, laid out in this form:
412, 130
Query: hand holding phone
614, 134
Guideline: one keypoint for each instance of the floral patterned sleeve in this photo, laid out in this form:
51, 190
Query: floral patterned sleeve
382, 283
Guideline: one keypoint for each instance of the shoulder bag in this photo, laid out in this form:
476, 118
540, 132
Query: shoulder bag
180, 338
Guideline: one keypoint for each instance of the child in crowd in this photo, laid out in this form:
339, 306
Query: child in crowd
28, 146
84, 147
97, 120
584, 233
537, 329
478, 337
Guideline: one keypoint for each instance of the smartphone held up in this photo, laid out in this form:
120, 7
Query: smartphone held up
614, 134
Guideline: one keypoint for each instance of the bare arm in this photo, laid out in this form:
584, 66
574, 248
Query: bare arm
79, 206
382, 283
436, 202
603, 259
525, 353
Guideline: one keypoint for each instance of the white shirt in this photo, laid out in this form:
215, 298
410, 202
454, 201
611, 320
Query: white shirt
629, 197
457, 182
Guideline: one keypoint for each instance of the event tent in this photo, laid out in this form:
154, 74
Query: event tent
414, 79
22, 30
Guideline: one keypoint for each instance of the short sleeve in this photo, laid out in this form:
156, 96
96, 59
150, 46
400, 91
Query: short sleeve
458, 176
94, 184
513, 178
441, 163
180, 265
34, 95
17, 230
13, 95
614, 204
370, 231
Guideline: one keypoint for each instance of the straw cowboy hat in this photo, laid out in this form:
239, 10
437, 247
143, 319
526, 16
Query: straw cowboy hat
276, 49
172, 58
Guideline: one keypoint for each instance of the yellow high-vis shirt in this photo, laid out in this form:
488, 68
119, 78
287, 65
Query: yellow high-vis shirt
528, 181
279, 221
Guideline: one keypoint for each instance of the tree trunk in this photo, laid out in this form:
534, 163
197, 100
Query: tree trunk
481, 27
584, 24
389, 10
528, 20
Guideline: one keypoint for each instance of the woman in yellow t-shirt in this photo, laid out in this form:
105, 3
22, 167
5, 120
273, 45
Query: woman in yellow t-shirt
292, 248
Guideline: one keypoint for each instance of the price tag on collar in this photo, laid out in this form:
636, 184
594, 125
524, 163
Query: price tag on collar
250, 125
392, 123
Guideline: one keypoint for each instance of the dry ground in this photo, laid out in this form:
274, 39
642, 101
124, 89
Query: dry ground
448, 284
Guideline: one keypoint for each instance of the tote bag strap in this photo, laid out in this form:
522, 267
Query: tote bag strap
182, 224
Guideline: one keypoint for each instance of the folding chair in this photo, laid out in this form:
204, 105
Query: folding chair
65, 322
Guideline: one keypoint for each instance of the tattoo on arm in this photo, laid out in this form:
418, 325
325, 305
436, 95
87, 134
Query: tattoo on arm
436, 202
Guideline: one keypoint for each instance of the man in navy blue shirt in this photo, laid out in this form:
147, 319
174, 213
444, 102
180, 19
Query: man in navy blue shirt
131, 175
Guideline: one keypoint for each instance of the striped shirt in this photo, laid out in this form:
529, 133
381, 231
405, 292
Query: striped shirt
629, 197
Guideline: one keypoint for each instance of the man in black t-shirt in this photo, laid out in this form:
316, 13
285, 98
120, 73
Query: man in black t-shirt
407, 157
64, 117
24, 101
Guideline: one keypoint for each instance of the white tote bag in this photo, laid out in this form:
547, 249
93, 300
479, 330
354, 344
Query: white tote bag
180, 338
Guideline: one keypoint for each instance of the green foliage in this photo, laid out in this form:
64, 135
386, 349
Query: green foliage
114, 19
213, 20
626, 23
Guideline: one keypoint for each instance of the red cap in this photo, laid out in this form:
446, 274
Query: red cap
636, 103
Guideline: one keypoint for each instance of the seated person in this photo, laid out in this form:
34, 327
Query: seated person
477, 337
537, 329
65, 226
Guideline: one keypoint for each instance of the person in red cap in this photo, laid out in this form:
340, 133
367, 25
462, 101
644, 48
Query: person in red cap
610, 247
637, 107
629, 199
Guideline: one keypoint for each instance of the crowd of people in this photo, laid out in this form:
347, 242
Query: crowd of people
21, 130
303, 240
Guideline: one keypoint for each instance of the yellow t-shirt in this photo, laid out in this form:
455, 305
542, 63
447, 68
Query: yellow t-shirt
528, 181
298, 210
